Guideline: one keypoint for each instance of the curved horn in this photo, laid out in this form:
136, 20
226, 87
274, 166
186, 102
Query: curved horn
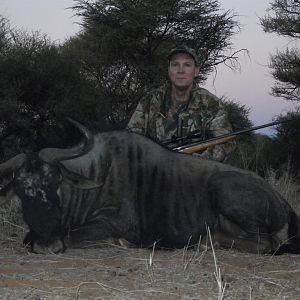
52, 155
12, 164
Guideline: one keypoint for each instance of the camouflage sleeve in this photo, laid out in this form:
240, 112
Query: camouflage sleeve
219, 125
139, 119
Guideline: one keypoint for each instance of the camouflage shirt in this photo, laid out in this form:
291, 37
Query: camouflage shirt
162, 118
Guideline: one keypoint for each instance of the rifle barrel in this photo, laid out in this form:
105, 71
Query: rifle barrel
230, 134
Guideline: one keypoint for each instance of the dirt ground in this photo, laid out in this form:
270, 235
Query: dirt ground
113, 272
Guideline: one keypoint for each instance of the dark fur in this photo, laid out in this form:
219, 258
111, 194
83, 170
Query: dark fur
150, 194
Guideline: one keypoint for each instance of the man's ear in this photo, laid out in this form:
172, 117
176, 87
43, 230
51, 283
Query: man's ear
197, 71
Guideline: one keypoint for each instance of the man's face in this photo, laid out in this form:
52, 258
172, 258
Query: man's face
182, 71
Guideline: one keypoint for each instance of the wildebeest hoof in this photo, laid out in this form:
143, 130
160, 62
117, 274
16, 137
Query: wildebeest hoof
56, 247
120, 242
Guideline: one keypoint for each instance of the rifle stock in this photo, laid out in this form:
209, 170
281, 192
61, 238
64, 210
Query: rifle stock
203, 146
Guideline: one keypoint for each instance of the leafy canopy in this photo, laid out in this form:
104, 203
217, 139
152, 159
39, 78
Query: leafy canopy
283, 18
126, 43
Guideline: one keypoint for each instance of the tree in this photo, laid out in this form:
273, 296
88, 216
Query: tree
4, 33
238, 114
287, 142
128, 42
40, 85
284, 19
98, 76
243, 155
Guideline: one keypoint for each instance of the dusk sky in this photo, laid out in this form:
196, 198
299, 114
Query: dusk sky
250, 86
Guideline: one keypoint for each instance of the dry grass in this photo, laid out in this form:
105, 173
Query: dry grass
287, 186
13, 228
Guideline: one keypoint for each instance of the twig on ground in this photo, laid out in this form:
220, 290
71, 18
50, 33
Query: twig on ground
150, 262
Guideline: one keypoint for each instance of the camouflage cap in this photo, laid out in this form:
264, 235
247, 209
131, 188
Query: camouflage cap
184, 49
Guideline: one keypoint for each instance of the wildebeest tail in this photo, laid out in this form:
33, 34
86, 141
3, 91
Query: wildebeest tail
293, 244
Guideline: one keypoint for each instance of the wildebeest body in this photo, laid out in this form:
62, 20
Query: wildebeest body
150, 194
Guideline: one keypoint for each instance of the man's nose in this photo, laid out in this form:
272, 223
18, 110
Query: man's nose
180, 69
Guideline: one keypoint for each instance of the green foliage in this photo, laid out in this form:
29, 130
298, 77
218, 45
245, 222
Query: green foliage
244, 154
238, 114
287, 144
98, 76
39, 87
260, 153
248, 152
142, 32
125, 43
286, 71
4, 36
284, 19
281, 152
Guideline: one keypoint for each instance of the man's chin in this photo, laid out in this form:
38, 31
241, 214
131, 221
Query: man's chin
182, 87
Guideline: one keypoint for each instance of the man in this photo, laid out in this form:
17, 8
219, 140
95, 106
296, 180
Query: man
181, 107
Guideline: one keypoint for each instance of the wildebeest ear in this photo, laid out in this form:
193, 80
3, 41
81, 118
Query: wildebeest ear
77, 180
7, 170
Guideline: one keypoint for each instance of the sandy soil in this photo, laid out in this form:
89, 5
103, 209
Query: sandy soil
114, 272
119, 273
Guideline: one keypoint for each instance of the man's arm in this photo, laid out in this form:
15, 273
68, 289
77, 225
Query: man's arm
219, 125
139, 119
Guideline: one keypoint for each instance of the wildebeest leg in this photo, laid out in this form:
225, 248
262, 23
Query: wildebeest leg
229, 235
58, 246
250, 211
293, 242
101, 232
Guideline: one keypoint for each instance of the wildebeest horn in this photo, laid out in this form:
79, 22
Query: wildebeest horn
51, 155
12, 164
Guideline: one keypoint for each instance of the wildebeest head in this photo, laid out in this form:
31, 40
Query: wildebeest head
36, 183
35, 179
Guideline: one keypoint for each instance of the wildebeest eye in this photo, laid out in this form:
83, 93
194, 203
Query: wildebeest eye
47, 170
50, 172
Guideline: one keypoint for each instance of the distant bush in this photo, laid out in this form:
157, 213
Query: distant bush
287, 185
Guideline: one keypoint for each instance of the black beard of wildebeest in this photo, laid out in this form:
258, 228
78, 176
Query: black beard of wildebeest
123, 185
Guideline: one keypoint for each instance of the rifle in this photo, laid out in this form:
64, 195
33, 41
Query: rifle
199, 146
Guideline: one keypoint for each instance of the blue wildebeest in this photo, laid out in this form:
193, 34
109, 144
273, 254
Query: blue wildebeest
124, 185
